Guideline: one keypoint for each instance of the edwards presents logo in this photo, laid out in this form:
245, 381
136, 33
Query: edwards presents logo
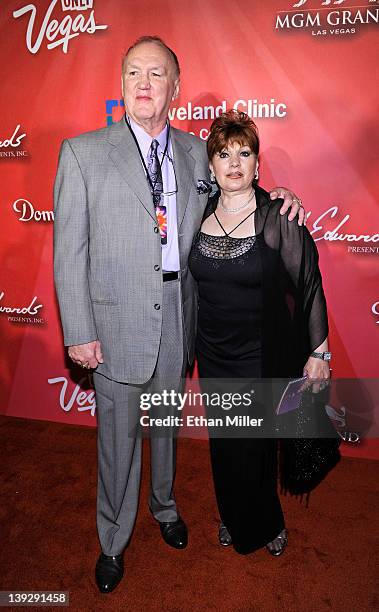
56, 29
22, 314
330, 227
12, 146
328, 18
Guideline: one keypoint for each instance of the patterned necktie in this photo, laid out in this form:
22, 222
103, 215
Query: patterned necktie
155, 174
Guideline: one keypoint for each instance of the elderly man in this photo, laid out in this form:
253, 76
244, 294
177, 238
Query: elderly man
128, 200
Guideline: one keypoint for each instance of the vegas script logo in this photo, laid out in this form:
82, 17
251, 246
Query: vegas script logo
55, 32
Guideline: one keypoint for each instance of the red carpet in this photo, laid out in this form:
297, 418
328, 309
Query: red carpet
49, 539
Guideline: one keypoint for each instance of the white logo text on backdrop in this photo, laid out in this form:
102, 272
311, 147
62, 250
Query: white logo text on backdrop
20, 311
375, 310
27, 212
332, 235
82, 400
326, 20
59, 32
323, 3
11, 143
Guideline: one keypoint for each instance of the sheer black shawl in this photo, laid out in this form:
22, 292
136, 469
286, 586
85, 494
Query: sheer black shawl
294, 320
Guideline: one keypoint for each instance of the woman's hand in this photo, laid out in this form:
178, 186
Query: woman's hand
316, 370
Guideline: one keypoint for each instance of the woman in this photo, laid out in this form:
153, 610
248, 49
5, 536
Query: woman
247, 259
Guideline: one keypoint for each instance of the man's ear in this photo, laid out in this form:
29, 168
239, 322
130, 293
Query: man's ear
176, 89
122, 84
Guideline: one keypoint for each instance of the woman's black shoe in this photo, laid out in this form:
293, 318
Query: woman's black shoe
277, 546
224, 536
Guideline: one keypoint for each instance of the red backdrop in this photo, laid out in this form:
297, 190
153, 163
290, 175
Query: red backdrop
305, 73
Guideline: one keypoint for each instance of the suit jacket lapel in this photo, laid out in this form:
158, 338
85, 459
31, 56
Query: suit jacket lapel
184, 166
125, 156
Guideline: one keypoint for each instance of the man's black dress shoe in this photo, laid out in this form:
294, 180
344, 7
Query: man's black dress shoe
175, 534
109, 571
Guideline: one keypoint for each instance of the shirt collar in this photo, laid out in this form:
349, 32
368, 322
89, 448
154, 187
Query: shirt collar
144, 139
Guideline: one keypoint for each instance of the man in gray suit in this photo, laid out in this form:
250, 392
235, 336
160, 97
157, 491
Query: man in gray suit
128, 200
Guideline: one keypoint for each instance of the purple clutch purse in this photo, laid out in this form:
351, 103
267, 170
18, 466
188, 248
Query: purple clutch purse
291, 397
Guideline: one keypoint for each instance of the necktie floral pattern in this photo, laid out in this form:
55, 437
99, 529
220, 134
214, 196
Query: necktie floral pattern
155, 174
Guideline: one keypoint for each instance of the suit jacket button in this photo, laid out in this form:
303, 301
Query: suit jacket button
157, 306
156, 229
156, 268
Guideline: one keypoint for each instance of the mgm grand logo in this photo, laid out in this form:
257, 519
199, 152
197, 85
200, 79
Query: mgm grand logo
328, 18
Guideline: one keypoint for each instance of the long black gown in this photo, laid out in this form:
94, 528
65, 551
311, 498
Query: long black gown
261, 308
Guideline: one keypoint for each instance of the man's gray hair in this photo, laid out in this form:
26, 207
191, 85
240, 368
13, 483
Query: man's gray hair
156, 40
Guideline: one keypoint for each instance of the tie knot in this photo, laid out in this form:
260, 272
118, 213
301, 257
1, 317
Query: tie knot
154, 145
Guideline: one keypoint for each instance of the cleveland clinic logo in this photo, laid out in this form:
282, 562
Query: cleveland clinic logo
328, 18
270, 108
56, 32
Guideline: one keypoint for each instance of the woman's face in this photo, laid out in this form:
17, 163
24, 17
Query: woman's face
234, 168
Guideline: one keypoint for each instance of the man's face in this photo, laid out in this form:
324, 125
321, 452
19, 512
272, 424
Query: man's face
149, 83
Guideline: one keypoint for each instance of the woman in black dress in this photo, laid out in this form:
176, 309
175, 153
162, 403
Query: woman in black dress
247, 259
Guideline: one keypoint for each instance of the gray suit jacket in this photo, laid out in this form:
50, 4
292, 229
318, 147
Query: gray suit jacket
107, 247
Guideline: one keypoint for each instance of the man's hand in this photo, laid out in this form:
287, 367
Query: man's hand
86, 355
290, 201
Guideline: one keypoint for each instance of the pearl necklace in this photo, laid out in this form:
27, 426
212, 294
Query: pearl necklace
236, 210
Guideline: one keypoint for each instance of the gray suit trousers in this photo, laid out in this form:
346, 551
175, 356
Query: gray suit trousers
120, 442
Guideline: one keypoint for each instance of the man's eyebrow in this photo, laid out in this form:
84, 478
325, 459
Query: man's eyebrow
155, 67
158, 67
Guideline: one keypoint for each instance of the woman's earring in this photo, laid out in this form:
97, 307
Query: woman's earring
213, 178
256, 175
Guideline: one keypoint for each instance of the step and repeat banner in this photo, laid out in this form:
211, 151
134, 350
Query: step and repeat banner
306, 71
